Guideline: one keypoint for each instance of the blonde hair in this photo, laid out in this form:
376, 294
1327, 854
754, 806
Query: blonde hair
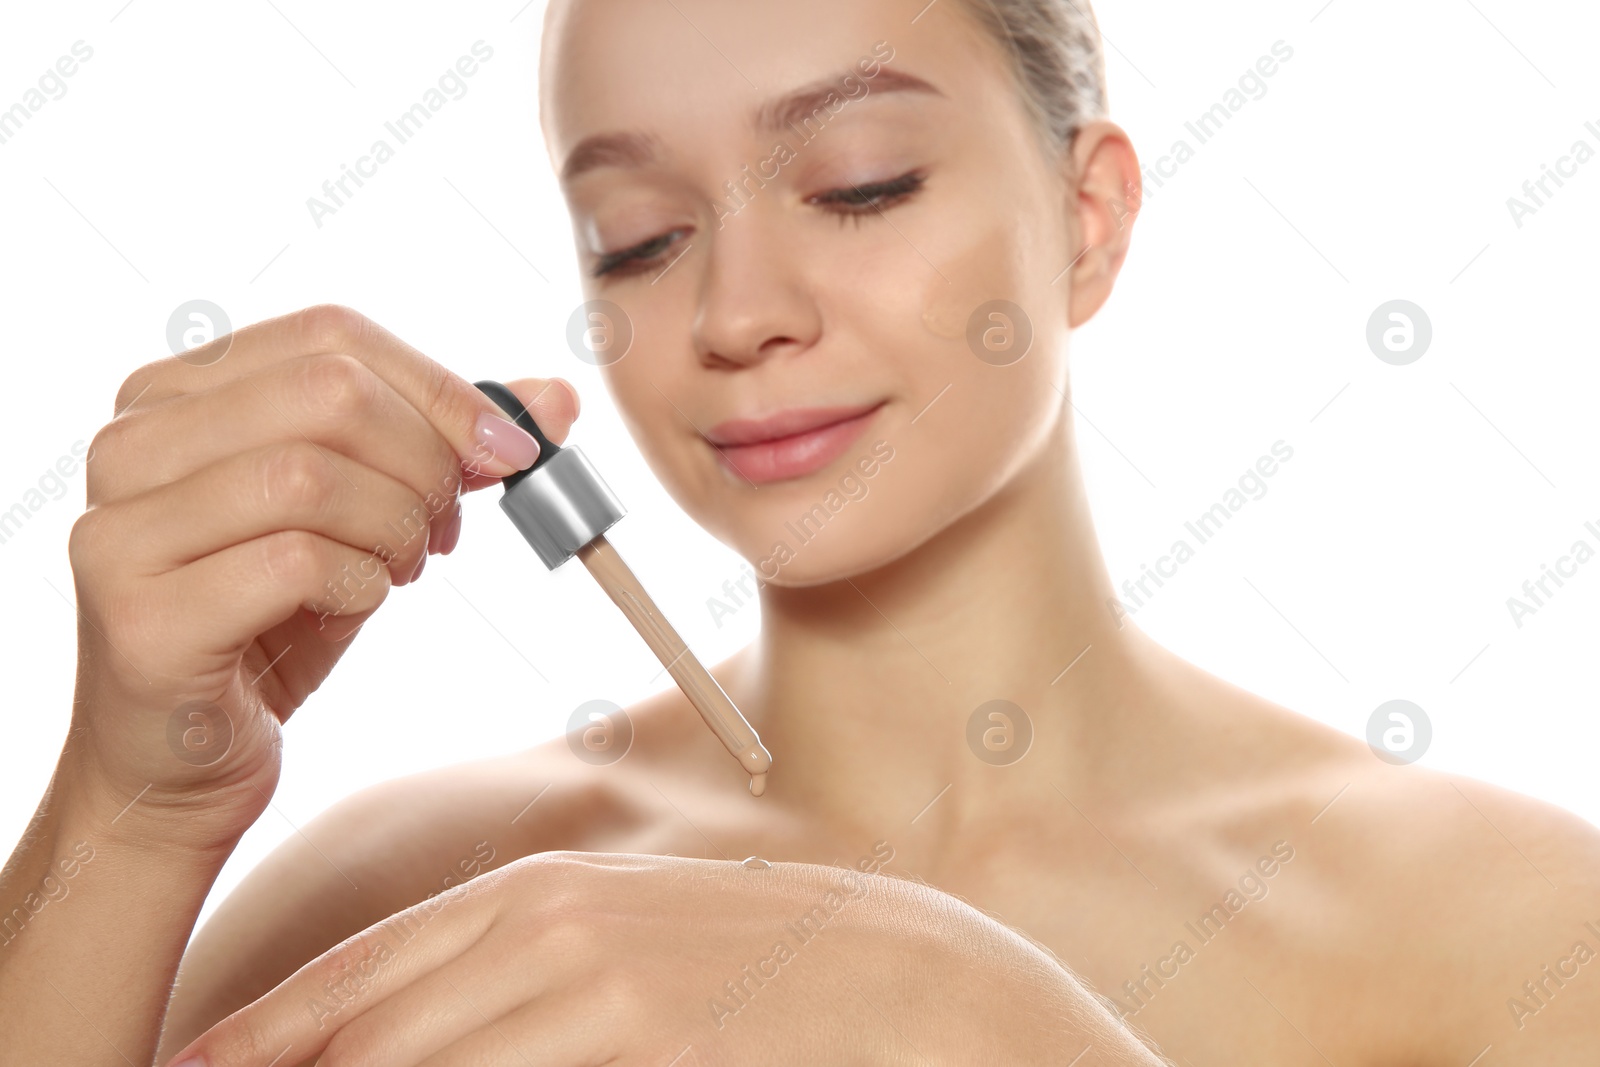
1057, 58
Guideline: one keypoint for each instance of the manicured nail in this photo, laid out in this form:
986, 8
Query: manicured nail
193, 1061
452, 533
504, 444
423, 562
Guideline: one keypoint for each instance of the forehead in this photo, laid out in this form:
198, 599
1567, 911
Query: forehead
677, 68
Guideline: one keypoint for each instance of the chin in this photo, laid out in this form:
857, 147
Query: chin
809, 533
784, 553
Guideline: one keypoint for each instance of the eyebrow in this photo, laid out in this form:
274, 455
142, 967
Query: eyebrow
642, 149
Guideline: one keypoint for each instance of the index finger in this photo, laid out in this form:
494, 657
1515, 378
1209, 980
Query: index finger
471, 423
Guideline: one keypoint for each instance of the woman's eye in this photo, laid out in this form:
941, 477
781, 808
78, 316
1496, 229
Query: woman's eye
637, 259
853, 201
870, 198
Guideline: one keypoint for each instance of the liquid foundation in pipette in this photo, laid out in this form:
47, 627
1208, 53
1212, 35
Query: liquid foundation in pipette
719, 712
563, 507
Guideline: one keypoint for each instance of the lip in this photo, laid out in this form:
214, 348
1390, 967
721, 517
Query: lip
789, 444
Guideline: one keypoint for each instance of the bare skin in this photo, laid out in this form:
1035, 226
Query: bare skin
1395, 934
1380, 915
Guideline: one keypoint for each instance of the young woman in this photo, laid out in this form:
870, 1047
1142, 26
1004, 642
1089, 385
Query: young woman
851, 240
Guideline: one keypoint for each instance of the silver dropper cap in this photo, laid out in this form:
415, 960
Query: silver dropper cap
561, 505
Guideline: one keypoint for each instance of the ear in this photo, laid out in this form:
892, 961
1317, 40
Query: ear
1105, 179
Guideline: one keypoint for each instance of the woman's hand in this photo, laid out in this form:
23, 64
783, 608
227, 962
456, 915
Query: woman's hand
566, 958
250, 505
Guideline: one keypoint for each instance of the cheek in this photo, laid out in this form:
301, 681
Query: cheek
994, 264
643, 394
1000, 397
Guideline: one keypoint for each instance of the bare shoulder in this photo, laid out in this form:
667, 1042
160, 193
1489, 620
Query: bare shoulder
1484, 902
1468, 910
1421, 908
393, 845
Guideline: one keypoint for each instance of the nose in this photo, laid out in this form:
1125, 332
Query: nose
755, 300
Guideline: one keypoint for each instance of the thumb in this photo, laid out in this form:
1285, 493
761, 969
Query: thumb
552, 402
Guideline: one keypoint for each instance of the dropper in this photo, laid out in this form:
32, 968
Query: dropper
563, 507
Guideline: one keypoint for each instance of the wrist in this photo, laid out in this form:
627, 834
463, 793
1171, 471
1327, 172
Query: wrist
85, 803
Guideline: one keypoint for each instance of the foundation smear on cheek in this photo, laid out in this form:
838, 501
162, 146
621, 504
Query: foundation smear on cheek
988, 269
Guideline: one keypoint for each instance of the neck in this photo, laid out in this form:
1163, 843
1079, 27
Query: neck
863, 688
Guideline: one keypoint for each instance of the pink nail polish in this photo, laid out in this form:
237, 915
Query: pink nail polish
504, 444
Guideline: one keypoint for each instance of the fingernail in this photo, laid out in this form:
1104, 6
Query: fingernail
504, 444
423, 562
193, 1061
452, 533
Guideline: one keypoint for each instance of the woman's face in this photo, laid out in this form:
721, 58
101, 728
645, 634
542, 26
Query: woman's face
836, 251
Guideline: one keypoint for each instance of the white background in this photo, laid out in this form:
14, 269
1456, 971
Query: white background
1377, 166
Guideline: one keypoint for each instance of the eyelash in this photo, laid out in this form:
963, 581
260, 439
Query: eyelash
637, 259
852, 202
858, 201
